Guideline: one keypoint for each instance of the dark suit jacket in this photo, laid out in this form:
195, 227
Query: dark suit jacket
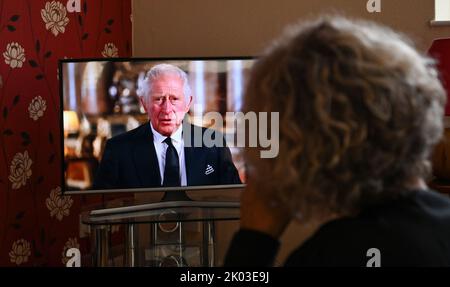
130, 161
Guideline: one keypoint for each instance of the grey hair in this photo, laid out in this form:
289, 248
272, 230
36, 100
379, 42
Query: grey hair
360, 111
145, 86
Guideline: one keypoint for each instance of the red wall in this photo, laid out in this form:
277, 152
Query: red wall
36, 225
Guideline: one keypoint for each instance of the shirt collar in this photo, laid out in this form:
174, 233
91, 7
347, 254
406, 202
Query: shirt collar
177, 136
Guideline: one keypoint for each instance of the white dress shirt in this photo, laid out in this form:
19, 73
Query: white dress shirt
161, 147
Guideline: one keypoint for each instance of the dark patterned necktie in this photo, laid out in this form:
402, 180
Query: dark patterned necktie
172, 167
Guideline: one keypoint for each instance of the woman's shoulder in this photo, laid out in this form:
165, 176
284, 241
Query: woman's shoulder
434, 203
414, 230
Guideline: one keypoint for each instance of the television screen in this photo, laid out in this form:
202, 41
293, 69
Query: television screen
118, 113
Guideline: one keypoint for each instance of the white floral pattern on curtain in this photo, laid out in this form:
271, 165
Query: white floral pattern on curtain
20, 251
14, 55
110, 51
35, 34
58, 205
54, 16
37, 108
20, 170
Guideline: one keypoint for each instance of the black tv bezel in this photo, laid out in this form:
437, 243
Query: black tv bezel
131, 59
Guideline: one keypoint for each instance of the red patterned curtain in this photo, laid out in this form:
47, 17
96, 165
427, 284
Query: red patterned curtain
36, 224
440, 50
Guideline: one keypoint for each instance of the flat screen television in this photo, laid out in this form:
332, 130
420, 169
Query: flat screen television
100, 101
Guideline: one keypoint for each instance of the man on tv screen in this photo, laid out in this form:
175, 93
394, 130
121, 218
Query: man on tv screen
163, 151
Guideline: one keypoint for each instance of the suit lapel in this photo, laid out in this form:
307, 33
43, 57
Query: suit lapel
188, 162
145, 159
193, 160
188, 151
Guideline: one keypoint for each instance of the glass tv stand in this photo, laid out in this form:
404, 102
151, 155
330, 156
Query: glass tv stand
162, 227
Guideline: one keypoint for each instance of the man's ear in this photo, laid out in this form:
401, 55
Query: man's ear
142, 100
188, 105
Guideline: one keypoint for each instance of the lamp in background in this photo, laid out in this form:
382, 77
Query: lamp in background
71, 125
80, 166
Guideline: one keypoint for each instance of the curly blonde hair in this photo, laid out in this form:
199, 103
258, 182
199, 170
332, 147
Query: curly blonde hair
359, 108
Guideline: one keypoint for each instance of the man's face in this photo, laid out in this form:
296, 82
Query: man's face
167, 104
